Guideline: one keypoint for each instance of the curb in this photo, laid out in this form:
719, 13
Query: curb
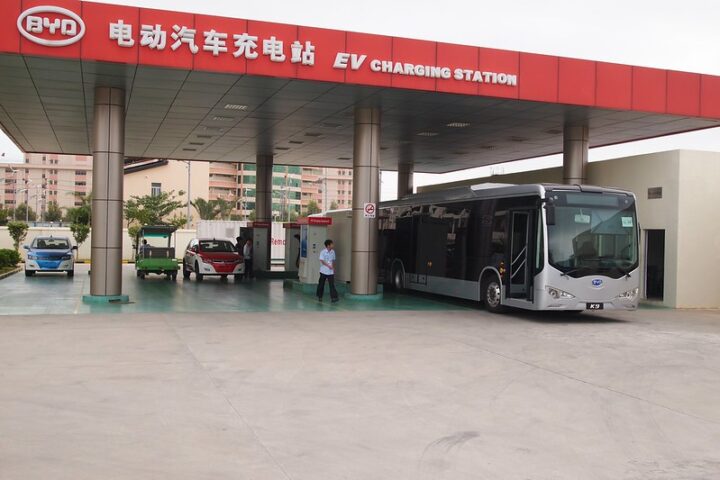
11, 272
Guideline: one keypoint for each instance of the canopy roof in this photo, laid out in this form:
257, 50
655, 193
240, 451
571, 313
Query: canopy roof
223, 89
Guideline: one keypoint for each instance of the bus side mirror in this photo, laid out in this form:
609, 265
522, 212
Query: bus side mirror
550, 213
26, 247
75, 247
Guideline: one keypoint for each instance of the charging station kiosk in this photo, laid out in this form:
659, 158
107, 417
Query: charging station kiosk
313, 233
261, 246
292, 246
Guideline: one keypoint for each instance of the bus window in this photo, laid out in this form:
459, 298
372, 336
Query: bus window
499, 233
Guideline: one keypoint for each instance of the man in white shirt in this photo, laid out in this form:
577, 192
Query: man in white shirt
327, 271
247, 256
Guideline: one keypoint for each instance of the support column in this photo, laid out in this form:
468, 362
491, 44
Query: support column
366, 182
107, 196
575, 154
263, 211
405, 179
406, 166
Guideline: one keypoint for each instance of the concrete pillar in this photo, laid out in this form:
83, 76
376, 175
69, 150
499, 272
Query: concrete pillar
263, 211
366, 189
263, 188
107, 195
405, 179
575, 154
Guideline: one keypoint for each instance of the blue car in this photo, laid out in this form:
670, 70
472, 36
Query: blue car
50, 254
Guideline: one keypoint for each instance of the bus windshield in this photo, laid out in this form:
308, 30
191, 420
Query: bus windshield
592, 234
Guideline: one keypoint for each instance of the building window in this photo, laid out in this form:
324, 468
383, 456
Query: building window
155, 189
80, 173
80, 184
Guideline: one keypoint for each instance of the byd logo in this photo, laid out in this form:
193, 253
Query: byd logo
51, 26
597, 282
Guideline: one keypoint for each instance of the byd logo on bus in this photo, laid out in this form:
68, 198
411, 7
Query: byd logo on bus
51, 26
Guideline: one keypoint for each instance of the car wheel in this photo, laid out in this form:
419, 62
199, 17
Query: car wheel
173, 277
137, 273
492, 295
238, 277
186, 271
29, 273
71, 273
223, 278
198, 276
141, 275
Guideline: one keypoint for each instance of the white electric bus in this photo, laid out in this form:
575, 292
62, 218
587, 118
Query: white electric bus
537, 247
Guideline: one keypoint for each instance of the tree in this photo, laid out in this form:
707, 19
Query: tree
252, 216
22, 210
312, 207
80, 232
206, 209
80, 218
18, 232
54, 213
224, 207
5, 216
152, 210
294, 216
334, 205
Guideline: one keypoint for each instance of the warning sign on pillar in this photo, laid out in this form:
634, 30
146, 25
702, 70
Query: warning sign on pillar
369, 210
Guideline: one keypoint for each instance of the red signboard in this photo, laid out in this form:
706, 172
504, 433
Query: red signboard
315, 221
259, 224
142, 36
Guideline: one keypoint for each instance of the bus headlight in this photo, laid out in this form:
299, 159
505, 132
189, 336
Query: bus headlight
556, 293
629, 295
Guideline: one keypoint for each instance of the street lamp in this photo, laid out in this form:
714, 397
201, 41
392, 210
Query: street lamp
189, 215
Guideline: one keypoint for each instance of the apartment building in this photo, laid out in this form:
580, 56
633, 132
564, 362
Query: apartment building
45, 178
60, 178
328, 187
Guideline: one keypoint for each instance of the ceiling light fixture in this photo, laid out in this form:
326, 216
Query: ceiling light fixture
427, 134
457, 124
220, 118
235, 106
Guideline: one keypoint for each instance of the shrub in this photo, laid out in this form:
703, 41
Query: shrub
9, 257
18, 232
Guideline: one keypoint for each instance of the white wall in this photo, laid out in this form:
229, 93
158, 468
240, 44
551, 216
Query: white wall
698, 230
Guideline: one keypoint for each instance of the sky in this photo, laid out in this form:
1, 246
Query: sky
655, 33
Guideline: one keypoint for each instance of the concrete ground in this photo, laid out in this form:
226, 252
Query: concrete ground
56, 293
453, 393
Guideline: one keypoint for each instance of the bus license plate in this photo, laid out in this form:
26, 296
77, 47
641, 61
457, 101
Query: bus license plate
594, 306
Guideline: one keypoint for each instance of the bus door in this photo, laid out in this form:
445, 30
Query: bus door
521, 248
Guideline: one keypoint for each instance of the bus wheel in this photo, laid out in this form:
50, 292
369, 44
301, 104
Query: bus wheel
492, 295
398, 280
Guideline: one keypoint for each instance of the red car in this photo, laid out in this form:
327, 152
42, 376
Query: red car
209, 256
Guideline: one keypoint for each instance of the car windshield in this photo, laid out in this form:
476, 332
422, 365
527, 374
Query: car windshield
593, 234
216, 246
51, 244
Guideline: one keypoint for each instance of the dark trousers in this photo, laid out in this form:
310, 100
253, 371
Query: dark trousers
321, 286
248, 267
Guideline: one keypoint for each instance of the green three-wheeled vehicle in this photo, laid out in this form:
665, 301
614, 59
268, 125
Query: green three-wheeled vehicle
155, 252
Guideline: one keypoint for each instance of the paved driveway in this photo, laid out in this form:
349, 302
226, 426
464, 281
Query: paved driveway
452, 394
